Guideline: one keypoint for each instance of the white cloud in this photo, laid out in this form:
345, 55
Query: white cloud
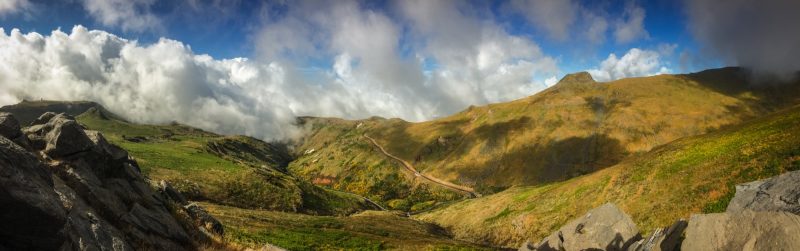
8, 7
631, 26
635, 63
130, 15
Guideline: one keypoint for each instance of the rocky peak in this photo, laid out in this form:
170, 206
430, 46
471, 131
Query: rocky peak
577, 78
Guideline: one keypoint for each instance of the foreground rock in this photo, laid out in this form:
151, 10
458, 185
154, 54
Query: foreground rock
662, 239
602, 228
779, 193
746, 230
72, 190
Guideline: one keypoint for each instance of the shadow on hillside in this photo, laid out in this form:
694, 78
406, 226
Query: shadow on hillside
769, 94
543, 163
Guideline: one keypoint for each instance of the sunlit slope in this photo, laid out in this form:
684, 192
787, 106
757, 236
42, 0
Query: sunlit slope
575, 127
232, 170
690, 175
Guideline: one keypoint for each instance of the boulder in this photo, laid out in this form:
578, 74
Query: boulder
779, 193
43, 119
604, 228
102, 146
745, 230
662, 239
31, 214
66, 137
9, 126
204, 218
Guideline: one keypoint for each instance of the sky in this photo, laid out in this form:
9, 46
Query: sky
252, 67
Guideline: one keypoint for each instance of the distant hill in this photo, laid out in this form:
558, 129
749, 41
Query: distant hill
574, 128
27, 111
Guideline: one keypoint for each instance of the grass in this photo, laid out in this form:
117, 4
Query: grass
691, 175
370, 230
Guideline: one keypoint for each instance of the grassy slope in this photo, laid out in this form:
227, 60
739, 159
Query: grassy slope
180, 155
574, 128
370, 230
691, 175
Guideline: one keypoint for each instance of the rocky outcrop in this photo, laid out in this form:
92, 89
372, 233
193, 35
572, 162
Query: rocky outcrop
779, 193
72, 190
746, 230
602, 228
662, 239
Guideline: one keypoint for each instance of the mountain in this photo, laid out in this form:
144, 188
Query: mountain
690, 175
574, 128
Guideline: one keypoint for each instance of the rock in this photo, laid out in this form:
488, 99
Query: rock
662, 239
9, 126
66, 137
31, 214
88, 195
102, 146
745, 230
603, 228
168, 191
779, 193
204, 218
43, 119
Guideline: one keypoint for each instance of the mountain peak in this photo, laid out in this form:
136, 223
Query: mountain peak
577, 78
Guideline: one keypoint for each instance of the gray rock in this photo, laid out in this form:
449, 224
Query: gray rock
204, 218
30, 211
779, 193
662, 239
101, 145
745, 230
602, 228
43, 119
66, 137
168, 191
9, 126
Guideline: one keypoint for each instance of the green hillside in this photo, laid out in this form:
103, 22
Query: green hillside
691, 175
574, 128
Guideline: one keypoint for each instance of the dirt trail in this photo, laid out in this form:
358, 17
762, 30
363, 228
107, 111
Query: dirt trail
471, 192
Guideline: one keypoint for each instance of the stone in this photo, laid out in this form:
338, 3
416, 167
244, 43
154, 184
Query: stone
168, 191
9, 126
43, 119
66, 137
102, 146
745, 230
31, 214
779, 193
662, 239
603, 228
204, 218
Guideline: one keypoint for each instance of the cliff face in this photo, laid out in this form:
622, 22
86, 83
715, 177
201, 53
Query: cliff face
64, 187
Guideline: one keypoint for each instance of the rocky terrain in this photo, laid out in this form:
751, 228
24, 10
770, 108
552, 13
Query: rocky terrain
763, 215
65, 187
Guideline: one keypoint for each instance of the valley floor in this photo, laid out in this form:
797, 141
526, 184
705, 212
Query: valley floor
368, 230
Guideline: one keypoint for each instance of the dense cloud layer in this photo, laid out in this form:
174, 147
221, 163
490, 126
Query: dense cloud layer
762, 35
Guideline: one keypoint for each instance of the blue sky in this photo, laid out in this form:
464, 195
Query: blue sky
251, 67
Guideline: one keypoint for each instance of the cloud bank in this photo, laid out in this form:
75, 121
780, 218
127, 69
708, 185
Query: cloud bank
454, 59
761, 35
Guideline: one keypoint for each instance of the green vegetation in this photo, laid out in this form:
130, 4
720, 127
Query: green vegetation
370, 230
238, 171
691, 175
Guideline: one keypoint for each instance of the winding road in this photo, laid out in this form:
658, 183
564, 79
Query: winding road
469, 191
